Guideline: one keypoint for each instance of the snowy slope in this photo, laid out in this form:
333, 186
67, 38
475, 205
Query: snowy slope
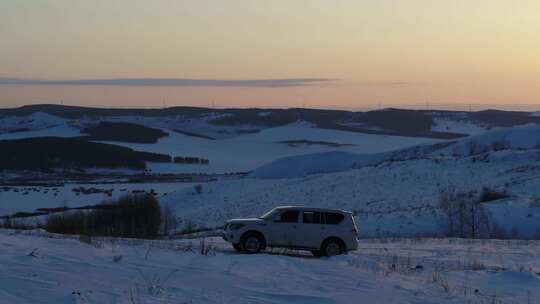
36, 125
457, 125
302, 165
527, 137
517, 138
35, 121
393, 198
45, 268
57, 131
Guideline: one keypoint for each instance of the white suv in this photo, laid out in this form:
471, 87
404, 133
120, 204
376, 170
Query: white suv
322, 231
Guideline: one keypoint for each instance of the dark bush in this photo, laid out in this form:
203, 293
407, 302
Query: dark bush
500, 145
191, 160
130, 216
154, 157
46, 153
406, 121
126, 132
488, 194
192, 134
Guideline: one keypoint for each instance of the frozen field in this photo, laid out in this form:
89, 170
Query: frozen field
56, 269
249, 151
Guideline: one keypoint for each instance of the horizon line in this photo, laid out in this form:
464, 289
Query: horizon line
468, 107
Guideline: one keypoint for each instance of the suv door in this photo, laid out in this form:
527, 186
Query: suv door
283, 230
312, 231
333, 224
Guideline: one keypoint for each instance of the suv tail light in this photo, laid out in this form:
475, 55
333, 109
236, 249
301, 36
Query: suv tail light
354, 230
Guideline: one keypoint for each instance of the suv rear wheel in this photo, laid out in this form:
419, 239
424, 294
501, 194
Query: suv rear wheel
252, 243
332, 247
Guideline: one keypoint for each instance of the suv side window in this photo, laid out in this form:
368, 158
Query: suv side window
289, 216
311, 217
333, 218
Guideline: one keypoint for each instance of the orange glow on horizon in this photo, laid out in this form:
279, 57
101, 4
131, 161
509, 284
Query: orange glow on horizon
483, 52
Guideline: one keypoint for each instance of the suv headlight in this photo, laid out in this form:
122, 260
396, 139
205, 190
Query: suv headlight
235, 226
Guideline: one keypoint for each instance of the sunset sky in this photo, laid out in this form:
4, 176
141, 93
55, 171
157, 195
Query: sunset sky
352, 54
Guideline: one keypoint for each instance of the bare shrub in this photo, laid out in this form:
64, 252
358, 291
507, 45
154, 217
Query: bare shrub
500, 145
13, 223
155, 284
169, 221
189, 227
206, 249
474, 148
129, 216
466, 217
439, 279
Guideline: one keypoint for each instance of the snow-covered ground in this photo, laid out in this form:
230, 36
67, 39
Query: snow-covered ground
43, 268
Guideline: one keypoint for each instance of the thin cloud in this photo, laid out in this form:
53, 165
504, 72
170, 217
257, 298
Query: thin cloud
178, 82
389, 83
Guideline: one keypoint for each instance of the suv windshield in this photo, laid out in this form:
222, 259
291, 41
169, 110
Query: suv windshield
268, 214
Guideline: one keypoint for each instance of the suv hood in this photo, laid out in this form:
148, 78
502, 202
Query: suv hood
245, 220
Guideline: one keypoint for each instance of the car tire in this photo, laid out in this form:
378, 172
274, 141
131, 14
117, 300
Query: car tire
237, 247
332, 247
252, 243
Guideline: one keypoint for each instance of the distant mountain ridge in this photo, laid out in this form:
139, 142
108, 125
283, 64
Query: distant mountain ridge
398, 122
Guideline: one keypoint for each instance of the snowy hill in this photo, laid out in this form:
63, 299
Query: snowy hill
397, 122
517, 138
393, 193
302, 165
241, 140
35, 125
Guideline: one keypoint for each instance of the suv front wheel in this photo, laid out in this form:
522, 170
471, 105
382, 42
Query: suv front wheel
252, 243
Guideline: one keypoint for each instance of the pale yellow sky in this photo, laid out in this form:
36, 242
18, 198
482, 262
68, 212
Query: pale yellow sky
382, 51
